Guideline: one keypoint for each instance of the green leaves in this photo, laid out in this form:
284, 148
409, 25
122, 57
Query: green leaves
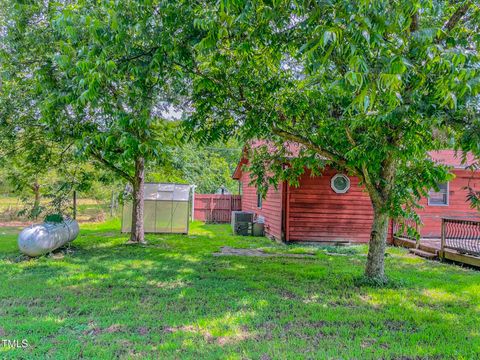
364, 84
355, 79
107, 72
110, 66
399, 65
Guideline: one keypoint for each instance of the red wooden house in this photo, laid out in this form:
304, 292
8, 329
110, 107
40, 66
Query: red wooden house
335, 208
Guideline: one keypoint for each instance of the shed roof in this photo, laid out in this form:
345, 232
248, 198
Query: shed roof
167, 192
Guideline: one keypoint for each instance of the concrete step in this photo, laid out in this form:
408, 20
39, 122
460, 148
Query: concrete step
424, 254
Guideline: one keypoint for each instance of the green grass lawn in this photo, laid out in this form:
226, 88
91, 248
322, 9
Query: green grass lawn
174, 299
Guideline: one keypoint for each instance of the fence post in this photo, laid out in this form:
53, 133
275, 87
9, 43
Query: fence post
442, 240
74, 204
211, 210
193, 201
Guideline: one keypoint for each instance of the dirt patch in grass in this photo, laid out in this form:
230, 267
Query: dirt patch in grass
271, 330
288, 295
114, 329
229, 251
399, 326
369, 342
239, 335
233, 339
305, 324
189, 329
143, 330
95, 330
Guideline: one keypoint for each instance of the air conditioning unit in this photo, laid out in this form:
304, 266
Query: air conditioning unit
242, 222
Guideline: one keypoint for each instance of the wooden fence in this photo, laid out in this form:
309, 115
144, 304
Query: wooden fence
215, 208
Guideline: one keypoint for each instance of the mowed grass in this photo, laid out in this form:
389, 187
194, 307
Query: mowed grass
174, 299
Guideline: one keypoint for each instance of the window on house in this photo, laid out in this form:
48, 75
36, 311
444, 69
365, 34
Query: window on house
340, 183
440, 197
259, 200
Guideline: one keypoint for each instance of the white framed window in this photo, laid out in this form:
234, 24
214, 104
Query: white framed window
440, 197
259, 200
340, 183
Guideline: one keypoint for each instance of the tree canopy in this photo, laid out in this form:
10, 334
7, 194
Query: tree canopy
107, 78
207, 167
368, 87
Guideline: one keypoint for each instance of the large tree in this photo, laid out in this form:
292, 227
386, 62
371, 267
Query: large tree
108, 78
31, 155
28, 163
368, 87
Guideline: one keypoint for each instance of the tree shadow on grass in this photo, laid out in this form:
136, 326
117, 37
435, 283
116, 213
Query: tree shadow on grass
181, 301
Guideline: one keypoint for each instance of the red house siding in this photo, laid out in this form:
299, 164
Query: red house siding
317, 213
271, 206
314, 212
458, 205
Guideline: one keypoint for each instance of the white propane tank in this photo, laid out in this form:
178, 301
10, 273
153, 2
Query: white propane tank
40, 239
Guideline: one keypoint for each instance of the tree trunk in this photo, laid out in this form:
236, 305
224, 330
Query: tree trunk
137, 232
36, 201
375, 269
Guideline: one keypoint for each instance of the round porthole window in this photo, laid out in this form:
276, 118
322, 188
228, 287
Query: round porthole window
340, 183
